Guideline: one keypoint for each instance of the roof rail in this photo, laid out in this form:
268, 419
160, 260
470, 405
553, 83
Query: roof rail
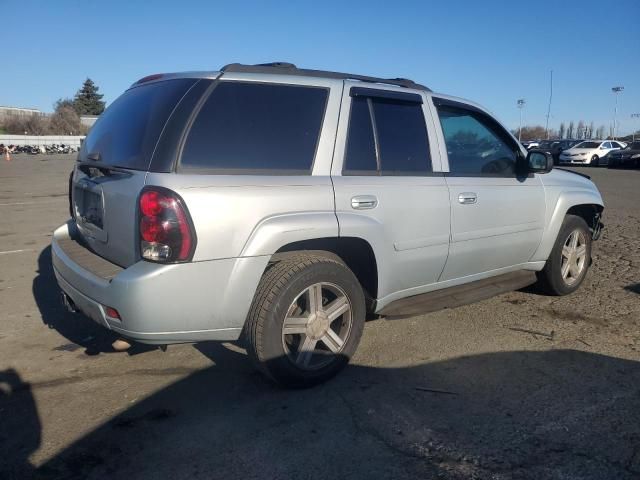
284, 68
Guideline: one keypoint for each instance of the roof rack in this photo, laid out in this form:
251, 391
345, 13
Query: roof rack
284, 68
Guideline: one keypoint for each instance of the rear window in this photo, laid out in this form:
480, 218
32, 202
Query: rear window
256, 128
126, 133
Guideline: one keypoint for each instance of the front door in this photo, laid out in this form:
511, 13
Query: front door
497, 212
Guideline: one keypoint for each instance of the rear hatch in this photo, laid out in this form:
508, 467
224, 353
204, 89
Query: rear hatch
112, 166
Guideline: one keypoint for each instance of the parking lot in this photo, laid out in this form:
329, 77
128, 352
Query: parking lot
518, 386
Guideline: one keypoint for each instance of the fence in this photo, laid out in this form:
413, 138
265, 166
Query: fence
71, 140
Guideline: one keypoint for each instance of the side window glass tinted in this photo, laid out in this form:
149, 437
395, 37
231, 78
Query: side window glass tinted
254, 127
386, 137
402, 137
474, 146
360, 156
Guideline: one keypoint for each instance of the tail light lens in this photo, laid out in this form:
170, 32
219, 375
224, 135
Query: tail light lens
166, 231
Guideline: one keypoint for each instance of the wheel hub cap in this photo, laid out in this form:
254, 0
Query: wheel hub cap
318, 325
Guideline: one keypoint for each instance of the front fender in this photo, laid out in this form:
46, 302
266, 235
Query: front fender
563, 200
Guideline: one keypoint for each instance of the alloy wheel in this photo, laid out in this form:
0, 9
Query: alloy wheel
317, 326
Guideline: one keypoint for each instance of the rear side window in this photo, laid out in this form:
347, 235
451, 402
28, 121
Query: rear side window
386, 137
475, 144
126, 133
361, 149
256, 128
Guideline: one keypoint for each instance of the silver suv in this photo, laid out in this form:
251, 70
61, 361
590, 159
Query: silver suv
284, 206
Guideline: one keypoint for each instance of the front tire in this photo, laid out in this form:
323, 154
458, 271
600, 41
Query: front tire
306, 319
570, 258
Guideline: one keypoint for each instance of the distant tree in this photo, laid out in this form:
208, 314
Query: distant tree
87, 100
31, 124
580, 130
536, 132
562, 130
600, 132
63, 102
590, 130
570, 130
65, 120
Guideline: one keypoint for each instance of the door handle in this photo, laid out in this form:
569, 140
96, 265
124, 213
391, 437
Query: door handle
364, 202
467, 198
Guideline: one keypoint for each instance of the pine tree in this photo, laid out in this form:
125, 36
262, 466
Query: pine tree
88, 101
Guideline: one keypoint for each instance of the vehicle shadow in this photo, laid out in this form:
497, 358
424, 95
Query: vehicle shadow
522, 414
20, 429
634, 287
75, 327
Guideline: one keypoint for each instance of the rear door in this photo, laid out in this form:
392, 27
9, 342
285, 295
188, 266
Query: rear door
497, 213
113, 163
388, 186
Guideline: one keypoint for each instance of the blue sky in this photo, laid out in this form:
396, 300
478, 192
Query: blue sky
488, 51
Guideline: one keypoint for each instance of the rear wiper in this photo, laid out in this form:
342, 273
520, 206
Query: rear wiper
97, 169
95, 156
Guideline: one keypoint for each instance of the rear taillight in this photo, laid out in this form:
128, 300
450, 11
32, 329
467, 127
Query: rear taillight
166, 231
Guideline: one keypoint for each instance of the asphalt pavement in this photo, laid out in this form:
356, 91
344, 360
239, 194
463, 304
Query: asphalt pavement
518, 386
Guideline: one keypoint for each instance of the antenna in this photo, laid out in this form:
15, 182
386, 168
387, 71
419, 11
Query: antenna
546, 128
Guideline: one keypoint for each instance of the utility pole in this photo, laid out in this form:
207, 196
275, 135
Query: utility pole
546, 127
521, 103
634, 115
616, 91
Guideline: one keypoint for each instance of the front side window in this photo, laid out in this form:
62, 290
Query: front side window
386, 137
256, 127
475, 146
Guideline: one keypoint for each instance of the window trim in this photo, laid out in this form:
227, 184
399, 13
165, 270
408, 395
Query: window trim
185, 169
372, 93
387, 94
494, 127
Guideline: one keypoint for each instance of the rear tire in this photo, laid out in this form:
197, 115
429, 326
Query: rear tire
595, 161
569, 260
306, 319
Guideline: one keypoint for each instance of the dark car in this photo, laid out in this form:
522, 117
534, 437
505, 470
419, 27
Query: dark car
556, 147
627, 157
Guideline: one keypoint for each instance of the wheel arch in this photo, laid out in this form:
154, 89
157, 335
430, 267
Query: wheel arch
585, 204
355, 252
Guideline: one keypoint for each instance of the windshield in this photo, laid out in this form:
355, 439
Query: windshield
126, 133
588, 145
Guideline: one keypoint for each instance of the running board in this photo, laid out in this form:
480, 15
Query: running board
459, 295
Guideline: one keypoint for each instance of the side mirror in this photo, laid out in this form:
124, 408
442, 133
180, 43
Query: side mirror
539, 161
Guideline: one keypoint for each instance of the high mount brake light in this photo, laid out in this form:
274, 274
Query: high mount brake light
166, 232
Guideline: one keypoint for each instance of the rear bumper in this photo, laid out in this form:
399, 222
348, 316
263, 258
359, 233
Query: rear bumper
161, 304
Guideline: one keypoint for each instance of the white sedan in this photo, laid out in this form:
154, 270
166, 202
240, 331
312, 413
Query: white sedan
590, 152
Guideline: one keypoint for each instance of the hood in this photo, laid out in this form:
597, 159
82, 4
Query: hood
567, 178
580, 150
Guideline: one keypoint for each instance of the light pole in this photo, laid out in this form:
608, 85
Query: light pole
521, 103
616, 91
634, 115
